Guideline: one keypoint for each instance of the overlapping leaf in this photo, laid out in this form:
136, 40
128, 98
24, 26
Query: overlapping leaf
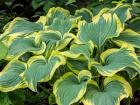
134, 24
50, 35
77, 50
10, 78
85, 14
115, 60
59, 44
102, 28
130, 37
57, 12
23, 45
76, 65
70, 88
114, 90
20, 26
41, 69
59, 19
123, 11
63, 26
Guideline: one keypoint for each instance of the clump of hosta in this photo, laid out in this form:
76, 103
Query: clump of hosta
85, 55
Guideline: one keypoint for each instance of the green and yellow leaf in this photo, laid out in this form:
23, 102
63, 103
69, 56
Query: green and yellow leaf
130, 37
113, 91
20, 26
71, 88
10, 78
23, 45
41, 70
102, 28
115, 60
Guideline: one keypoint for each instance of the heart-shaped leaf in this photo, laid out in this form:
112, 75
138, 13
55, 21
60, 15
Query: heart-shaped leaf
102, 28
70, 88
41, 69
114, 90
59, 19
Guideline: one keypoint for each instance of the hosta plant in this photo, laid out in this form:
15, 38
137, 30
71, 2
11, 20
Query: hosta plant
83, 57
